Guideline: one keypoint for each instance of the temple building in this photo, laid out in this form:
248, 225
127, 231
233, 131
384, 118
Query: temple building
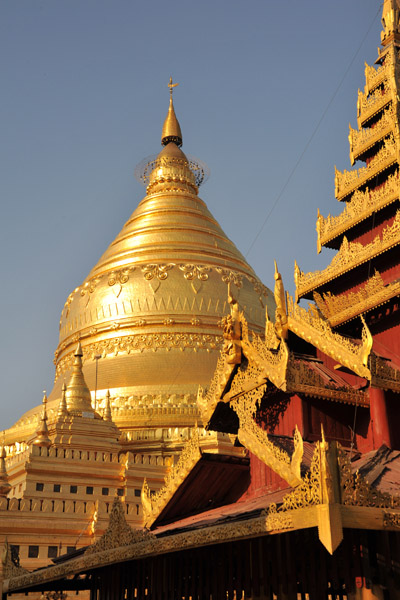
285, 484
136, 339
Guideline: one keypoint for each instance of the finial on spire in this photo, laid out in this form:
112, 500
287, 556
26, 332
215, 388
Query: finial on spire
107, 411
62, 407
171, 131
171, 86
42, 433
77, 394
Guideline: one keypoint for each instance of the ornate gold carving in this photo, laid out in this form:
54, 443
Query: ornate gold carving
232, 332
191, 272
347, 181
10, 561
230, 276
384, 375
88, 288
359, 208
256, 439
159, 272
276, 521
308, 493
207, 400
375, 76
350, 255
301, 378
369, 104
391, 519
154, 505
281, 326
118, 532
362, 139
141, 342
339, 309
311, 327
116, 279
356, 491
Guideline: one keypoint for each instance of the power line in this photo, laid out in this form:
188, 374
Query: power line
294, 169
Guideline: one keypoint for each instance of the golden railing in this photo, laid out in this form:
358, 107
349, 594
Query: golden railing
339, 309
374, 77
359, 208
370, 104
349, 256
348, 181
362, 139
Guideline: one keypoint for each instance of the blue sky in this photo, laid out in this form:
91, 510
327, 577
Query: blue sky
84, 96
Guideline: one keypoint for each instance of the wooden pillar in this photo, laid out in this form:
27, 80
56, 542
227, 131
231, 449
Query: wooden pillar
379, 418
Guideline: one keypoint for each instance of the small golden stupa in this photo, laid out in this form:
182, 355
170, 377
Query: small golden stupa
147, 317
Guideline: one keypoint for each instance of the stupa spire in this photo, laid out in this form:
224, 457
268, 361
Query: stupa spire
77, 395
62, 407
4, 485
171, 131
42, 432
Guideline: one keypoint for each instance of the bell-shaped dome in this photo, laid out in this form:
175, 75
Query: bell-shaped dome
148, 314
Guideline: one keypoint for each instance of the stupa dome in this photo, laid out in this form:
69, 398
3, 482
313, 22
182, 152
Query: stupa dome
148, 314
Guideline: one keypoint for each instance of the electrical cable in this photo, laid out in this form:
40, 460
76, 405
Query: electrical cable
294, 169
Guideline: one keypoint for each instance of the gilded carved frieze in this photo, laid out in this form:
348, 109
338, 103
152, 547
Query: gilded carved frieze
339, 309
355, 489
383, 374
362, 139
375, 76
369, 104
349, 256
302, 379
361, 206
208, 399
256, 439
348, 181
311, 327
118, 532
140, 342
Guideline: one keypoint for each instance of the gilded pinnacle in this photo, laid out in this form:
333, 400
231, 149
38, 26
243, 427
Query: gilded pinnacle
171, 131
107, 411
42, 432
77, 395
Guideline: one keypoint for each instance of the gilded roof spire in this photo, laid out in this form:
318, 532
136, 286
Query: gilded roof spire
171, 131
42, 432
77, 394
390, 20
62, 407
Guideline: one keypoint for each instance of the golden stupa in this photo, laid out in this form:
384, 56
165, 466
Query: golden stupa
148, 315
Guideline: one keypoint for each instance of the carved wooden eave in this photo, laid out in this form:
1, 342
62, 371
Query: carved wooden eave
362, 140
302, 379
329, 497
350, 256
309, 326
361, 206
343, 308
347, 182
154, 505
370, 104
207, 400
384, 375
